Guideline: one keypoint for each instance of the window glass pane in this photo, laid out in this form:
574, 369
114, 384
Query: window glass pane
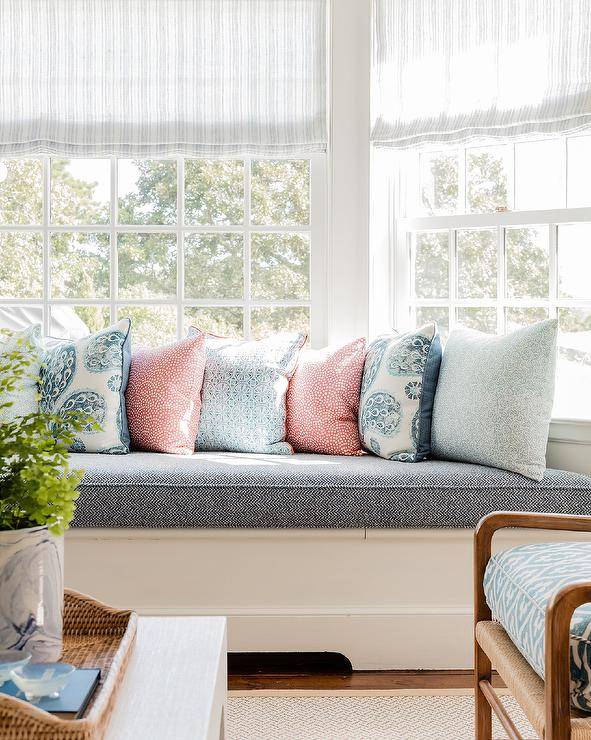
150, 325
579, 167
214, 192
574, 261
147, 265
517, 317
482, 318
526, 251
147, 191
21, 191
439, 176
540, 175
487, 172
280, 266
19, 317
80, 191
477, 263
269, 320
224, 321
439, 314
80, 265
21, 265
431, 264
214, 266
574, 364
280, 192
75, 322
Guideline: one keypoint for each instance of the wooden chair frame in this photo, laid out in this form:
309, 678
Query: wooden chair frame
558, 618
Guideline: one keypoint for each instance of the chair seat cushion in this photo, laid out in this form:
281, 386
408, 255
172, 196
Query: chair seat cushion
224, 489
519, 583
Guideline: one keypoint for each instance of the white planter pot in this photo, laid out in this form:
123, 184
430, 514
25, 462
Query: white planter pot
31, 592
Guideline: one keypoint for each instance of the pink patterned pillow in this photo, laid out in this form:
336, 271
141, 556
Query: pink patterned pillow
163, 396
323, 401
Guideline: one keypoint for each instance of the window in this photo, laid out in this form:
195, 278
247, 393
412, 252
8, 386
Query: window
498, 237
224, 244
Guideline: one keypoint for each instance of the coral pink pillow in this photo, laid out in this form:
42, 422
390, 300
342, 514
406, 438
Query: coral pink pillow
323, 401
163, 396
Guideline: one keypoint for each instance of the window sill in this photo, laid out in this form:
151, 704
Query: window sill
572, 431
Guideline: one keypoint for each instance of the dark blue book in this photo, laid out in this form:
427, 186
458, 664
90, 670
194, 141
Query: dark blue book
73, 698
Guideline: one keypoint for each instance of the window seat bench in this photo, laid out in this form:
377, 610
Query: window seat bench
358, 555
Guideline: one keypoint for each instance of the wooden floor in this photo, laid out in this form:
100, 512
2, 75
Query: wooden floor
351, 681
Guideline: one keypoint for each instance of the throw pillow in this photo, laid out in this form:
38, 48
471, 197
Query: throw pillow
90, 375
244, 390
397, 394
24, 399
163, 396
494, 398
323, 401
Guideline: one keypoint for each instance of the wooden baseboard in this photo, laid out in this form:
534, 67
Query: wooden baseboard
355, 681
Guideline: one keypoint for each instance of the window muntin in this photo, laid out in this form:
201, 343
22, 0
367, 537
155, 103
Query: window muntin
224, 244
487, 241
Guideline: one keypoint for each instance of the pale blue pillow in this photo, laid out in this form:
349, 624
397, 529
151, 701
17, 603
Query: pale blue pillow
244, 390
90, 375
397, 392
24, 399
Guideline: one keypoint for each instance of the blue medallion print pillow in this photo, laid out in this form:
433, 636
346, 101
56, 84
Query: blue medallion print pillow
91, 375
397, 392
244, 390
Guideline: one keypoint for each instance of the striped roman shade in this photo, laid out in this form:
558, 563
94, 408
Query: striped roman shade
162, 77
452, 71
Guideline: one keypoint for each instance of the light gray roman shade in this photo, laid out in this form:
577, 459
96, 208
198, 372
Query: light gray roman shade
162, 77
452, 71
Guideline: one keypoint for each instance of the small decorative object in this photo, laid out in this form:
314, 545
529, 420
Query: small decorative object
397, 392
244, 389
11, 659
37, 680
90, 375
37, 494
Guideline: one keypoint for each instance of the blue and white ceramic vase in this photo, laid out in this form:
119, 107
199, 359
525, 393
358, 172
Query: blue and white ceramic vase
31, 592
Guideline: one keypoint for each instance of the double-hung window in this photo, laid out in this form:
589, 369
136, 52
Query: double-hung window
498, 237
224, 244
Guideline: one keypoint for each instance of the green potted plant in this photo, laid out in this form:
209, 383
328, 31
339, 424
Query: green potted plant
37, 502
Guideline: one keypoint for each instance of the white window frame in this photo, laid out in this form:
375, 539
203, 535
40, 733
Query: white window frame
316, 230
398, 233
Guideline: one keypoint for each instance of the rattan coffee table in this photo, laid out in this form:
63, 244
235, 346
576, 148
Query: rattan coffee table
175, 684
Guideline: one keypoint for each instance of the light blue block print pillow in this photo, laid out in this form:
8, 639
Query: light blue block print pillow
244, 390
24, 399
397, 392
91, 375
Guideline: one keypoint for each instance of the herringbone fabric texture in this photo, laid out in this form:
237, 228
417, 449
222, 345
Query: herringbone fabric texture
239, 490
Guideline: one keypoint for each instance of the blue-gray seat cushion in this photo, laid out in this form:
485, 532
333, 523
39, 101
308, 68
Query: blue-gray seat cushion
230, 489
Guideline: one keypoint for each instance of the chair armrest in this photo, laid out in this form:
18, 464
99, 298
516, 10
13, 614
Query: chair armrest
557, 657
488, 525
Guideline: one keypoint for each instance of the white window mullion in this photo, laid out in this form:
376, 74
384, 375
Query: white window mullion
46, 245
247, 232
319, 287
180, 247
501, 280
114, 272
553, 269
452, 276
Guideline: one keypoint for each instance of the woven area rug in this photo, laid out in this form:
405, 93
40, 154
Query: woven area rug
338, 717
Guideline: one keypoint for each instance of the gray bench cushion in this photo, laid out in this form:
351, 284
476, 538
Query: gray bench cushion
270, 491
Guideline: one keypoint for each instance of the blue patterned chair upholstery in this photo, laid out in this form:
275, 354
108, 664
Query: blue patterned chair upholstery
519, 584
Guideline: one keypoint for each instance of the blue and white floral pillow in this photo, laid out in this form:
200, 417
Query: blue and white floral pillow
91, 375
397, 392
244, 390
24, 399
